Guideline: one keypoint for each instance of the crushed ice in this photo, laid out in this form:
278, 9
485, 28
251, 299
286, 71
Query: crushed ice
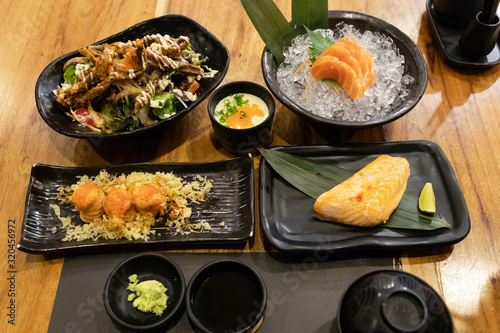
391, 85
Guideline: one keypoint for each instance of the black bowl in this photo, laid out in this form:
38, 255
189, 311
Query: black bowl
392, 301
243, 141
202, 41
226, 296
147, 266
414, 65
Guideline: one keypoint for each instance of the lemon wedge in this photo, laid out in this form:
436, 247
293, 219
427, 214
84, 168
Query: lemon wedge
427, 200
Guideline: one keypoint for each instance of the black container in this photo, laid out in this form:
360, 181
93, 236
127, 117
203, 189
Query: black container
147, 266
226, 296
243, 141
392, 301
480, 38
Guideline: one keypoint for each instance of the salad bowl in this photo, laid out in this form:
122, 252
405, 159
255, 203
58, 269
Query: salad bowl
202, 41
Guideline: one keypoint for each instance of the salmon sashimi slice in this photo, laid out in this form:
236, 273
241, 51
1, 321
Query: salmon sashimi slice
344, 55
333, 63
329, 67
367, 198
363, 56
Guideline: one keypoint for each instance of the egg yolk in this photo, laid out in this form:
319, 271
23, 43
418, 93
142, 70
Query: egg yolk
243, 117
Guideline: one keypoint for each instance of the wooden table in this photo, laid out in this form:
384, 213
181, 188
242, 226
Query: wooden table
458, 111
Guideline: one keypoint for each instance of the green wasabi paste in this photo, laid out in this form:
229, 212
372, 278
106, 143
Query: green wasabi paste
150, 295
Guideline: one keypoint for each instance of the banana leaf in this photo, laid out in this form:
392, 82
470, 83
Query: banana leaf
271, 25
314, 178
310, 13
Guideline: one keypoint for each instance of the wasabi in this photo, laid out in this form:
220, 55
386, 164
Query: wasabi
150, 295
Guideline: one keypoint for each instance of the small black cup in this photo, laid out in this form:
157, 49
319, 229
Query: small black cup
243, 141
479, 39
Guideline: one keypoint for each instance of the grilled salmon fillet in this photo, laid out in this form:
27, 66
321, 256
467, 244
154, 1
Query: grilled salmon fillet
367, 198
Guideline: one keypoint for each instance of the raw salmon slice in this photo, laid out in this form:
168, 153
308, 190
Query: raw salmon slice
367, 198
363, 56
329, 67
334, 63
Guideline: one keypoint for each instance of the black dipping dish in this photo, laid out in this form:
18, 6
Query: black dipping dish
226, 296
392, 301
147, 266
243, 141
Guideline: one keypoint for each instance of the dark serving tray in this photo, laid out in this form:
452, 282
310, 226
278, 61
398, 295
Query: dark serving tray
447, 37
302, 295
230, 201
287, 214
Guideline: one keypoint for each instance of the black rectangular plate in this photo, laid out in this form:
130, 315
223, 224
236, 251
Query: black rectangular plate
287, 214
231, 201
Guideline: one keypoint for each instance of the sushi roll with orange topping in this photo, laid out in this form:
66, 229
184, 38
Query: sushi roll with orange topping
147, 198
118, 204
88, 201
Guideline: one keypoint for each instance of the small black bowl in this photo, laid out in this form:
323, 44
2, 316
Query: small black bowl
226, 296
243, 141
147, 266
204, 42
392, 301
414, 65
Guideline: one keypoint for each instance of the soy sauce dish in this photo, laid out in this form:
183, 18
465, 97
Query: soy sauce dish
226, 296
392, 301
242, 114
148, 267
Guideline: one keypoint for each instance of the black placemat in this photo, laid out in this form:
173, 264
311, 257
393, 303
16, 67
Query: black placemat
303, 292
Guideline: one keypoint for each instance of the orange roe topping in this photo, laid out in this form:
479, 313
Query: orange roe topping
147, 197
117, 202
243, 117
85, 195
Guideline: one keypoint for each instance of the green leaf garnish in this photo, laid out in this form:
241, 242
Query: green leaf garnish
318, 44
70, 75
165, 105
231, 105
314, 178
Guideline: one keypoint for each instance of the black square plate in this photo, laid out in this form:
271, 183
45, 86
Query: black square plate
287, 214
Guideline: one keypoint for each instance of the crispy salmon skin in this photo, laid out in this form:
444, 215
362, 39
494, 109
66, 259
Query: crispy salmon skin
367, 198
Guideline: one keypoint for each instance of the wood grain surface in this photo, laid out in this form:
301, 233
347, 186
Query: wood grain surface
459, 112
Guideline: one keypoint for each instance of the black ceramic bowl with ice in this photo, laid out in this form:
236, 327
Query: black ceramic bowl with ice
414, 65
147, 266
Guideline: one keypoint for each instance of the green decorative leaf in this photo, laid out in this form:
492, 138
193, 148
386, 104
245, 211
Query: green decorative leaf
314, 178
271, 25
310, 13
318, 44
